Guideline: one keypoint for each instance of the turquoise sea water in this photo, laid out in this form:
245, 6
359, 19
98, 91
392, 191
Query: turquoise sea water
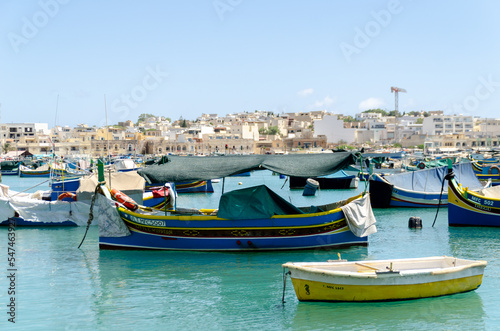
61, 287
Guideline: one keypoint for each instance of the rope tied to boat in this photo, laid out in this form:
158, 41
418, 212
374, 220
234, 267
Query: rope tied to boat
91, 213
284, 283
448, 176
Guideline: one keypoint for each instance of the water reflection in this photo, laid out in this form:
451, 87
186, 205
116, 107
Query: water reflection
447, 312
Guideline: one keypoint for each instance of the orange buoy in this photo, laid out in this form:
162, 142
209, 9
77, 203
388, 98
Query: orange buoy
124, 199
67, 195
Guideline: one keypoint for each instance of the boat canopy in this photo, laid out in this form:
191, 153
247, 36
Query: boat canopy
192, 168
254, 203
431, 180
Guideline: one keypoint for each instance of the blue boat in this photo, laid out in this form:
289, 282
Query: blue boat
250, 219
470, 208
487, 172
268, 222
422, 188
66, 203
9, 168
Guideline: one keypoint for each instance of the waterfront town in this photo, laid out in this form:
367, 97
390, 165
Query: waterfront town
257, 132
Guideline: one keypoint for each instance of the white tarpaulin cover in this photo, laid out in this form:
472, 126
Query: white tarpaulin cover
359, 216
106, 215
31, 207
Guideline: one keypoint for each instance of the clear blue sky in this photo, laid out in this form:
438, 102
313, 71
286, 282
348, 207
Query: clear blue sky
185, 58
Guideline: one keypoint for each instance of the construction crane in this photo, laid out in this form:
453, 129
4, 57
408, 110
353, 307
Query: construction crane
396, 90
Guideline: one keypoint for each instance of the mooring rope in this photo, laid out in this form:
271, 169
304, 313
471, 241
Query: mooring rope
447, 177
29, 188
91, 213
284, 284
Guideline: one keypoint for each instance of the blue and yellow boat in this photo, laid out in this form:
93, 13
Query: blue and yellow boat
250, 219
470, 208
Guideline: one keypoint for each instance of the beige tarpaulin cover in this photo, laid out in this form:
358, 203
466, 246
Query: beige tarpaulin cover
130, 183
491, 192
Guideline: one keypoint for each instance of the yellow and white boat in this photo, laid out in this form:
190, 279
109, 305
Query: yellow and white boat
379, 280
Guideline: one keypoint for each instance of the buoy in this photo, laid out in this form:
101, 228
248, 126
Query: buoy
124, 199
282, 176
490, 171
415, 222
240, 183
67, 196
311, 187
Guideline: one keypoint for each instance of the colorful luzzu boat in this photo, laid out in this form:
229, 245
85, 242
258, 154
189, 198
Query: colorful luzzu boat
423, 188
470, 208
485, 172
250, 219
384, 280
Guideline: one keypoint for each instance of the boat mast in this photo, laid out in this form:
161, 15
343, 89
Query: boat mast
107, 139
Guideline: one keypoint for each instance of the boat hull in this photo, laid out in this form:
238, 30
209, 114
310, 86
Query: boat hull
147, 241
13, 172
470, 209
385, 195
203, 232
410, 279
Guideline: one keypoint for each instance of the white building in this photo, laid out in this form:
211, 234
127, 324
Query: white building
447, 124
333, 128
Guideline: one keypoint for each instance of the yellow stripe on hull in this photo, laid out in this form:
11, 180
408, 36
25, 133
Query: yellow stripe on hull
307, 290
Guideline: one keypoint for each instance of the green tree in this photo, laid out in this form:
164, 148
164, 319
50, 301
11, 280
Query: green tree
348, 118
273, 130
6, 147
420, 120
377, 110
143, 117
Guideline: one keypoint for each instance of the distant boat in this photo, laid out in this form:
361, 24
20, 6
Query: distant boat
42, 171
124, 165
338, 180
66, 203
9, 168
383, 280
420, 188
487, 171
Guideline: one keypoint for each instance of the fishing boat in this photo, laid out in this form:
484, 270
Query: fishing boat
472, 208
9, 168
485, 172
249, 219
67, 203
124, 165
383, 280
42, 171
422, 188
338, 180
